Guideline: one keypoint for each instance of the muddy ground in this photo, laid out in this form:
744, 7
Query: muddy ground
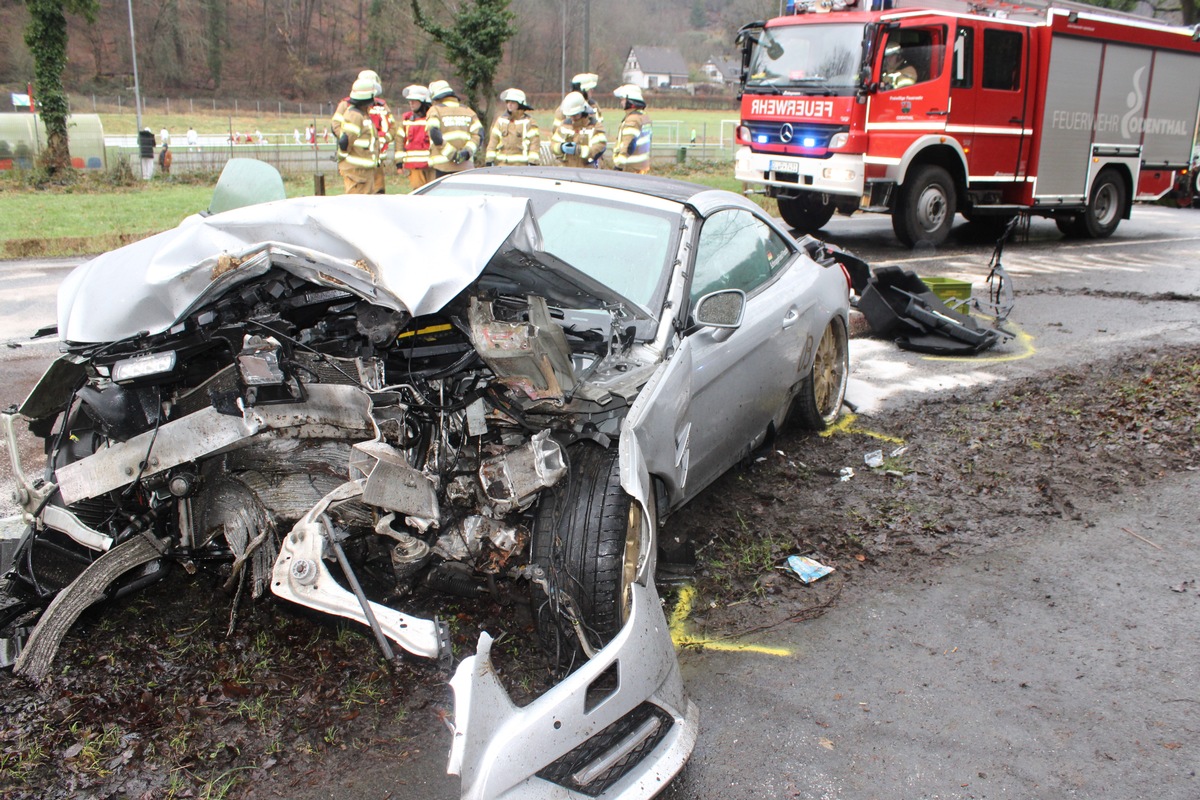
151, 698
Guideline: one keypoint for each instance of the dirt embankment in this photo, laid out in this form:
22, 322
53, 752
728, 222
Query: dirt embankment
153, 699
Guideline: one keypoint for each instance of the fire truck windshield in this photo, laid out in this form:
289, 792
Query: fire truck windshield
820, 58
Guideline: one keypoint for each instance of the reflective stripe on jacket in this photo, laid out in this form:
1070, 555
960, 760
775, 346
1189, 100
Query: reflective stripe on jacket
412, 150
335, 124
633, 148
461, 132
589, 139
514, 142
364, 144
384, 122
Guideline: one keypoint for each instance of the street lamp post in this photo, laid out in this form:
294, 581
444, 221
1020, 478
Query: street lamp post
137, 91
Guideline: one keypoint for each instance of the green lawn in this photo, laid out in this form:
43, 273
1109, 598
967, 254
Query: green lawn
93, 217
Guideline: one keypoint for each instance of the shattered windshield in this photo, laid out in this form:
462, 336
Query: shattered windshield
811, 58
623, 246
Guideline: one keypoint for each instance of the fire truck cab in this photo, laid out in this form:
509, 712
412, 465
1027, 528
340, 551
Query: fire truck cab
924, 113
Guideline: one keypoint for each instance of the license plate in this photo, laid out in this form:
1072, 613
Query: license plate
785, 166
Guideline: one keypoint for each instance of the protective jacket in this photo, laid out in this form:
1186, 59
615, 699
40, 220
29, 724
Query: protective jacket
335, 124
579, 144
412, 149
455, 135
633, 148
514, 142
385, 125
359, 166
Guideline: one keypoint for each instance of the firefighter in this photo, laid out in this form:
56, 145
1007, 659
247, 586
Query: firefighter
385, 130
455, 132
514, 140
633, 145
358, 143
339, 113
412, 148
897, 72
580, 140
583, 83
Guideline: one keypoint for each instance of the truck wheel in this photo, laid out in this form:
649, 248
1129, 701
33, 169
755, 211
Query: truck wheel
925, 208
1104, 208
808, 212
819, 402
586, 537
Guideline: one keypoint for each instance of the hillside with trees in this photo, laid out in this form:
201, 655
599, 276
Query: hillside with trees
312, 49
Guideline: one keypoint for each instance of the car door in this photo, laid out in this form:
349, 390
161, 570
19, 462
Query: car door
740, 379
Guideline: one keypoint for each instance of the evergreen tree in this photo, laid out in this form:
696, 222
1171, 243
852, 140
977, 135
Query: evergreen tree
474, 44
46, 38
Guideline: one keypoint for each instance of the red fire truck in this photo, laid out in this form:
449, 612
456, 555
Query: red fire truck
922, 113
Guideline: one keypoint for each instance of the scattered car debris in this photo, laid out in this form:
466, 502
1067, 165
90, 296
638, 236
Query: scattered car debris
874, 459
806, 569
845, 474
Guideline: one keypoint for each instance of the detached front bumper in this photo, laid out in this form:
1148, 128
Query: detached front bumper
839, 174
618, 727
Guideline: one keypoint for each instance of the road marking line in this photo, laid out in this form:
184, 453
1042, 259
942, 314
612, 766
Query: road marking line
681, 638
845, 424
1022, 339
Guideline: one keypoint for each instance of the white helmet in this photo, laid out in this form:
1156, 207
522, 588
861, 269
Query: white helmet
515, 95
573, 104
372, 76
585, 81
630, 91
416, 92
363, 89
440, 89
893, 49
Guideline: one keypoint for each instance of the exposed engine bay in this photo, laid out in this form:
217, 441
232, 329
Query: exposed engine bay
424, 441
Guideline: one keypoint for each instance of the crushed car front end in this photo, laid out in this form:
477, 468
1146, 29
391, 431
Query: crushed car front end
297, 396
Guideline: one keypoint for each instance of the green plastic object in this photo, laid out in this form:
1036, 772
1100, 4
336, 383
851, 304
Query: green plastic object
246, 182
951, 291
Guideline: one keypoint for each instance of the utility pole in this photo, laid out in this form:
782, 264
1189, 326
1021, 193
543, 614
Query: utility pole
587, 35
137, 90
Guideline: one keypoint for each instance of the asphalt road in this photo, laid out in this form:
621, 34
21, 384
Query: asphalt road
1057, 667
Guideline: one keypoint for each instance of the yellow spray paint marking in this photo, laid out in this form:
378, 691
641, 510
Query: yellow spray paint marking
1023, 340
681, 638
845, 424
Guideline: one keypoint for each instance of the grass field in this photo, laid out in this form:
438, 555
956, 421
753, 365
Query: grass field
98, 212
671, 126
94, 215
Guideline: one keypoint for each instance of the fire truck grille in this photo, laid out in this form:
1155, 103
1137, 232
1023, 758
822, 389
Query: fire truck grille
791, 133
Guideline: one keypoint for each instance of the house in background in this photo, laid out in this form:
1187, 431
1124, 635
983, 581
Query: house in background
655, 68
722, 70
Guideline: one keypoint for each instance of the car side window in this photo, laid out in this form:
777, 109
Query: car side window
736, 250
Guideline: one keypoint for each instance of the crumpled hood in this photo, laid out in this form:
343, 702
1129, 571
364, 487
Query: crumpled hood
407, 253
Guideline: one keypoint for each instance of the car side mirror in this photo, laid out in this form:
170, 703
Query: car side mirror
723, 309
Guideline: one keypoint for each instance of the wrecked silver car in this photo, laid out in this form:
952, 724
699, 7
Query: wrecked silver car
514, 376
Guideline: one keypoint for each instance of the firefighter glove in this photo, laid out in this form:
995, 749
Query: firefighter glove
344, 142
569, 148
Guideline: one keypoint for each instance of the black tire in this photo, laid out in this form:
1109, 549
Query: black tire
808, 212
1106, 205
1066, 225
819, 401
925, 207
579, 538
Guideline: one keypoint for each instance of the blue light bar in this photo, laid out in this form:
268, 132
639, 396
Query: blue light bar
809, 141
762, 138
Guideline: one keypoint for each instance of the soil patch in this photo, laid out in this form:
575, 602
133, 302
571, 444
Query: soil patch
151, 697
